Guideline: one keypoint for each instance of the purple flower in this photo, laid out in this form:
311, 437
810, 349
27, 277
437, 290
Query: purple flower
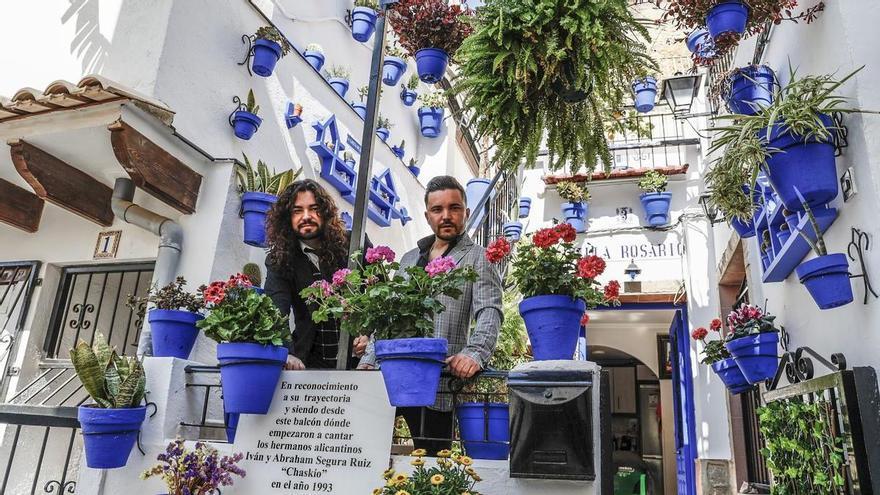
339, 276
380, 253
440, 265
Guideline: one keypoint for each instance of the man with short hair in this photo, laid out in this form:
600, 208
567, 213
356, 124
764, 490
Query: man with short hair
446, 212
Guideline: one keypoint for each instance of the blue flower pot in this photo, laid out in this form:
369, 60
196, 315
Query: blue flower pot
656, 207
383, 133
430, 120
398, 152
805, 165
732, 377
782, 236
109, 434
254, 207
339, 85
393, 70
827, 280
231, 426
697, 39
431, 64
512, 230
525, 206
174, 332
727, 17
415, 169
408, 97
473, 420
363, 23
553, 323
475, 190
756, 355
266, 55
360, 109
315, 59
411, 369
751, 88
644, 93
744, 229
245, 124
575, 215
793, 220
249, 375
766, 260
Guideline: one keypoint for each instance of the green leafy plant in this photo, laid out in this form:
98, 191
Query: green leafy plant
749, 320
393, 50
453, 475
262, 179
237, 313
251, 103
272, 34
314, 47
629, 123
339, 71
433, 99
573, 192
112, 381
173, 296
817, 245
413, 83
430, 24
253, 273
653, 182
384, 123
371, 4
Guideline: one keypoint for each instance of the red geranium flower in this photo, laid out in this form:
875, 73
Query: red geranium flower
612, 290
699, 333
585, 319
497, 250
566, 232
545, 238
590, 267
715, 325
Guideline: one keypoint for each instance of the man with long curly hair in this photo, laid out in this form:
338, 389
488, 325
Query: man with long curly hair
307, 242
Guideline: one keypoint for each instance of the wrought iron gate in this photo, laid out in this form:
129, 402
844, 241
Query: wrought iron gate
17, 280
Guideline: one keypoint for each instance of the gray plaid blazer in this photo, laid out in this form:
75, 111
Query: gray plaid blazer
480, 302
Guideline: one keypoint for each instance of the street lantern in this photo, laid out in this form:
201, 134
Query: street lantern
680, 91
633, 270
711, 211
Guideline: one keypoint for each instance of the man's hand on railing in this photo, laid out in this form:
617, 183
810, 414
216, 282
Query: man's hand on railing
360, 345
462, 366
294, 363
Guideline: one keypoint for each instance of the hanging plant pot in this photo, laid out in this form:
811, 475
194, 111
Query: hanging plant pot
727, 17
656, 207
411, 369
363, 23
801, 164
644, 93
231, 426
827, 280
254, 207
793, 220
512, 230
339, 85
751, 88
525, 206
475, 190
766, 260
109, 434
731, 376
393, 70
744, 229
360, 109
553, 323
755, 355
174, 332
575, 215
430, 120
245, 124
249, 374
473, 417
266, 55
315, 59
782, 236
415, 169
697, 39
383, 133
431, 64
408, 97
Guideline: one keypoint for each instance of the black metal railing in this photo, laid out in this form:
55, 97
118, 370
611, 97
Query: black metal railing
205, 382
650, 141
718, 69
17, 281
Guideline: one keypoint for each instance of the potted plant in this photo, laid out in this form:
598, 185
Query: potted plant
396, 308
766, 252
698, 39
432, 31
414, 167
718, 357
431, 113
827, 275
116, 383
255, 275
644, 93
783, 234
452, 474
746, 89
244, 120
399, 150
363, 19
360, 107
394, 66
752, 342
525, 206
269, 47
558, 285
727, 18
314, 55
383, 129
172, 319
408, 92
512, 227
654, 199
576, 205
338, 79
200, 471
259, 188
250, 333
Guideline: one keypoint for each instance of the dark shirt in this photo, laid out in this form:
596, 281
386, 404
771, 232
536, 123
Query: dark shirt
425, 244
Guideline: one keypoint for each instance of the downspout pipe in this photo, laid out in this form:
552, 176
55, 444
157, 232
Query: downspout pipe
170, 243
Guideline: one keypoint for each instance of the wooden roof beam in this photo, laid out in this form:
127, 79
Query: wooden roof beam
19, 207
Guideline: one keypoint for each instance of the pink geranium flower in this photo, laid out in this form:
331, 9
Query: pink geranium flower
440, 265
339, 276
380, 253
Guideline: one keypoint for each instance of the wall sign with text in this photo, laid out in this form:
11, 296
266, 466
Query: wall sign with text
636, 250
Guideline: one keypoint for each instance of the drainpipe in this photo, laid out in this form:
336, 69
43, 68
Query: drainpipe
170, 243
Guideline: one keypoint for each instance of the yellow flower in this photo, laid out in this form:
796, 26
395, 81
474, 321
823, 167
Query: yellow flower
465, 493
437, 479
471, 471
444, 453
444, 463
464, 460
417, 462
402, 492
419, 452
388, 474
377, 491
399, 478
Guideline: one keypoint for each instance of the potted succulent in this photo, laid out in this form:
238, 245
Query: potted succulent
250, 333
644, 93
452, 474
718, 357
431, 113
338, 79
314, 54
396, 308
172, 318
746, 89
399, 150
259, 188
255, 275
752, 342
766, 252
116, 384
525, 206
558, 286
269, 46
200, 471
363, 19
383, 128
576, 205
783, 234
827, 275
655, 200
408, 92
360, 107
414, 167
244, 120
394, 66
432, 31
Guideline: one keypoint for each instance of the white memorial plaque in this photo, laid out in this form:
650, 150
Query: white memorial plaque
327, 432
